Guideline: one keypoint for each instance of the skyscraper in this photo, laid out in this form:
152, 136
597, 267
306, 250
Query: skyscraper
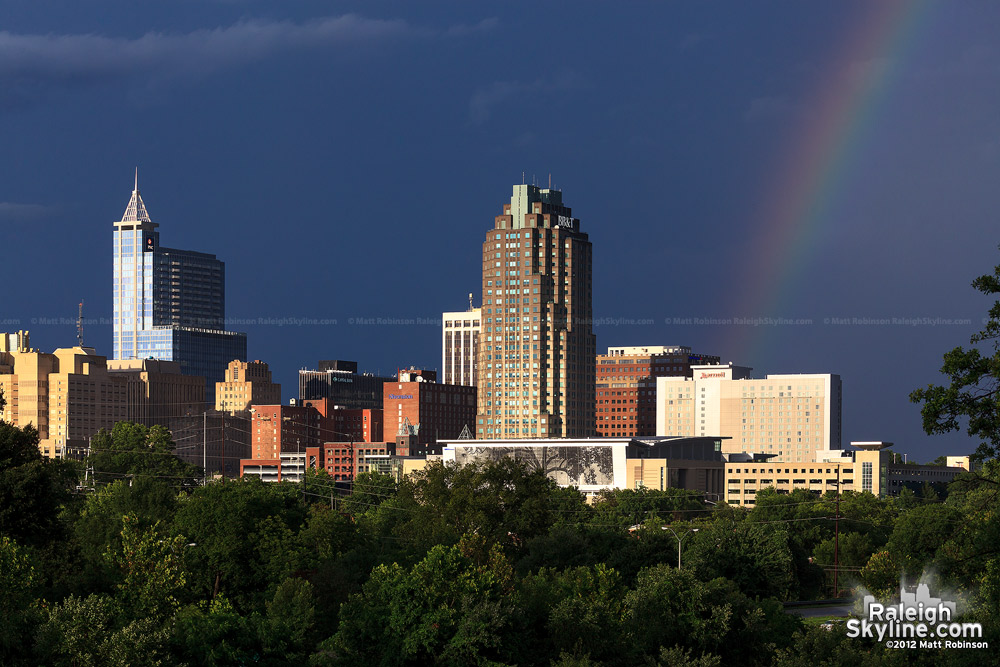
460, 346
170, 304
536, 347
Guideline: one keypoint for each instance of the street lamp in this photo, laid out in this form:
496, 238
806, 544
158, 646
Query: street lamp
680, 538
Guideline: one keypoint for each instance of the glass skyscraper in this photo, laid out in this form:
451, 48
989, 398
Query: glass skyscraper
170, 304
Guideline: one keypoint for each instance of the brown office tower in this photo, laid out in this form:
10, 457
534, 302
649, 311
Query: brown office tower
536, 348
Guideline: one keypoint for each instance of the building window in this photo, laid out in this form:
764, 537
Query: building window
866, 476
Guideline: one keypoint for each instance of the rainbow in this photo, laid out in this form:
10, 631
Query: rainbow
818, 157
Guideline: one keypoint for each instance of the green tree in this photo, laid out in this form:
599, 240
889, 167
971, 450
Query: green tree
853, 550
629, 507
883, 572
920, 532
454, 607
289, 626
151, 569
97, 525
93, 632
368, 492
756, 557
132, 450
574, 612
19, 609
819, 647
230, 521
673, 608
213, 633
972, 395
32, 489
502, 502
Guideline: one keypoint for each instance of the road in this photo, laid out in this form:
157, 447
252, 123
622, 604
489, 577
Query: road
825, 610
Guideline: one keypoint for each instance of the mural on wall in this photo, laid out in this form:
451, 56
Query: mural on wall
567, 466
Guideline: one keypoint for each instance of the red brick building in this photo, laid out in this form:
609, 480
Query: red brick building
418, 411
292, 428
625, 393
342, 460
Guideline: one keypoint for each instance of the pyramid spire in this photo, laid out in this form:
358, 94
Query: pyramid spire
136, 210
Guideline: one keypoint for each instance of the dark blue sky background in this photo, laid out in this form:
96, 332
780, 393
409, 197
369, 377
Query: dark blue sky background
345, 160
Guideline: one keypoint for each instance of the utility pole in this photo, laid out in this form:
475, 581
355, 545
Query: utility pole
223, 446
836, 541
204, 447
298, 454
89, 470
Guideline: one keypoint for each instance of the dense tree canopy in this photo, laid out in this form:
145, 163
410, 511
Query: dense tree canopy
130, 451
489, 564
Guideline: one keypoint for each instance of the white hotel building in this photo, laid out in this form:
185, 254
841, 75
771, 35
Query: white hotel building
793, 417
460, 346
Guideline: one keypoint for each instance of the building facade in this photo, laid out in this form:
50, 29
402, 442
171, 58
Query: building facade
213, 440
792, 417
422, 412
290, 428
537, 347
868, 467
247, 383
593, 465
625, 395
67, 395
340, 383
341, 460
460, 346
157, 390
169, 304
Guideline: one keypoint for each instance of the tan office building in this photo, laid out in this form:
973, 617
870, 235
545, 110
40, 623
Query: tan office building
866, 467
537, 347
67, 395
247, 383
157, 392
792, 417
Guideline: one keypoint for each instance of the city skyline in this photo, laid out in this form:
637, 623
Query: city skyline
672, 128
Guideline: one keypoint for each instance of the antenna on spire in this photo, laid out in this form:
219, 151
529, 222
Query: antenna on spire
522, 178
550, 180
79, 325
137, 178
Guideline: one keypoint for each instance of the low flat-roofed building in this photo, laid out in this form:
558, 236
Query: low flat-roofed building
867, 467
593, 465
676, 463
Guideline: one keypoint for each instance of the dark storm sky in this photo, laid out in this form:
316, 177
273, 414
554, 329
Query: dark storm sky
345, 160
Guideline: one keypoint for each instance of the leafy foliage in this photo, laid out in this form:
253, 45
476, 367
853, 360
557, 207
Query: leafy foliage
972, 395
132, 450
489, 564
32, 489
